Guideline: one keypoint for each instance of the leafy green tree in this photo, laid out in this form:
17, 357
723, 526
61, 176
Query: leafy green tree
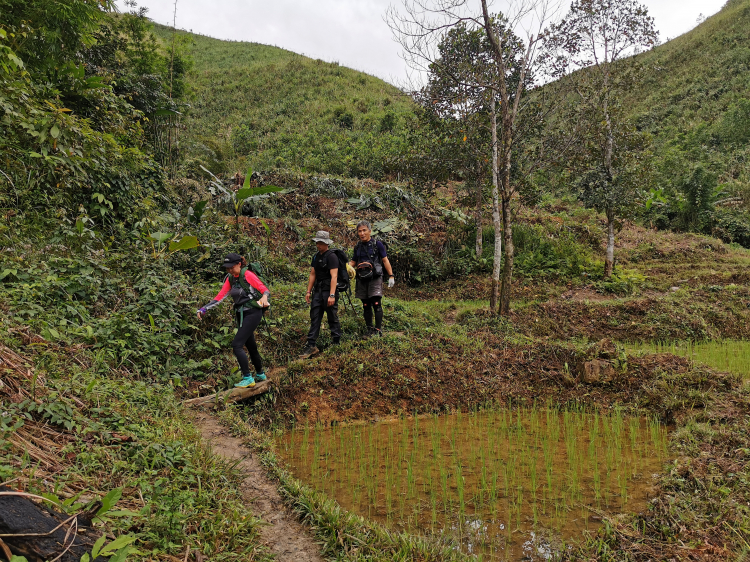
48, 35
68, 142
456, 100
514, 63
598, 36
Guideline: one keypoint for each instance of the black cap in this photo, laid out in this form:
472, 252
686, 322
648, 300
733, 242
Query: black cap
231, 260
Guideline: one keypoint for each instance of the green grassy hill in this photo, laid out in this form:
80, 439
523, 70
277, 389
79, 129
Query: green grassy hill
263, 107
696, 101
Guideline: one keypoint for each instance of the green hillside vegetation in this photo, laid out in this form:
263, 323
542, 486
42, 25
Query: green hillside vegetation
695, 101
262, 107
105, 258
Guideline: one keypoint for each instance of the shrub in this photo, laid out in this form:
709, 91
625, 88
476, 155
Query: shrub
732, 225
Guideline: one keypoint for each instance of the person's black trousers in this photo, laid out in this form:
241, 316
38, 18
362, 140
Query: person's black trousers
318, 305
246, 337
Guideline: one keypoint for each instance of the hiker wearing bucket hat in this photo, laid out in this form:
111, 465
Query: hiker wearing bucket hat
322, 294
250, 298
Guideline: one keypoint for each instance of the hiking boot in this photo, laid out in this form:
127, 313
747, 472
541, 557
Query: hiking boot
246, 382
260, 377
372, 332
309, 351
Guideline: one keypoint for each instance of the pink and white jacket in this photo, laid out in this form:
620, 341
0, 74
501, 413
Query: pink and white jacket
239, 296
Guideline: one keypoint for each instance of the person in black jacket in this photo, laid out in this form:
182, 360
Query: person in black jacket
370, 261
322, 294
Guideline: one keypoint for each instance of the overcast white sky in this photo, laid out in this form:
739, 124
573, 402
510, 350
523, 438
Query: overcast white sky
350, 32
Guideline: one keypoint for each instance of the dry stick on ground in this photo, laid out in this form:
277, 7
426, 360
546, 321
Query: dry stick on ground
6, 550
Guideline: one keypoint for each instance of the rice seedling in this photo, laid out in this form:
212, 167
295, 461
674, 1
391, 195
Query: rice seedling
490, 478
725, 355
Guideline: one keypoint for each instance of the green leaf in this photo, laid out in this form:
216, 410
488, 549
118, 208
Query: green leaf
151, 320
18, 62
268, 228
7, 272
109, 501
247, 178
161, 236
118, 543
54, 132
123, 513
121, 555
93, 82
266, 189
186, 243
244, 193
98, 546
84, 558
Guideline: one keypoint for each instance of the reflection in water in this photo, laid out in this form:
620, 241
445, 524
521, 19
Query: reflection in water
506, 484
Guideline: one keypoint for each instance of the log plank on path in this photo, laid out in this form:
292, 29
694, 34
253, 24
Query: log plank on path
40, 534
231, 395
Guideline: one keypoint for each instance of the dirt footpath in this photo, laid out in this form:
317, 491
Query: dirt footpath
287, 538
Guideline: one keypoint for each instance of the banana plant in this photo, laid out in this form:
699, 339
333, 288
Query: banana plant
248, 192
163, 243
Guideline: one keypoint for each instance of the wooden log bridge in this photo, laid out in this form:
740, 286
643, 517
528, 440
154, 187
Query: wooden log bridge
231, 395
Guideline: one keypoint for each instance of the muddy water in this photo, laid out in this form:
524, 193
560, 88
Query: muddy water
505, 484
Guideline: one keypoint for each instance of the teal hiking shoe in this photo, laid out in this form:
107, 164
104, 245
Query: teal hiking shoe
246, 382
260, 377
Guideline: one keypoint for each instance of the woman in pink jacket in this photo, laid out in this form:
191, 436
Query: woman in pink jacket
250, 298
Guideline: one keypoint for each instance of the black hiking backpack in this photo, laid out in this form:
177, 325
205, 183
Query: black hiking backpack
343, 280
250, 291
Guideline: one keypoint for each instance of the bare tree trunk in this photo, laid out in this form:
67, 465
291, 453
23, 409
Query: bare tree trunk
509, 252
507, 280
496, 220
478, 220
609, 260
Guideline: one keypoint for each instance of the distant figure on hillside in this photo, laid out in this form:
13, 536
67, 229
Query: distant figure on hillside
369, 260
250, 298
322, 294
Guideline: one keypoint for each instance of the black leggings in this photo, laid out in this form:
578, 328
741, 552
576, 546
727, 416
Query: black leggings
246, 337
373, 305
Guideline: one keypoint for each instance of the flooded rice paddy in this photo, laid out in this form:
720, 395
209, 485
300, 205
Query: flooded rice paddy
727, 355
506, 484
